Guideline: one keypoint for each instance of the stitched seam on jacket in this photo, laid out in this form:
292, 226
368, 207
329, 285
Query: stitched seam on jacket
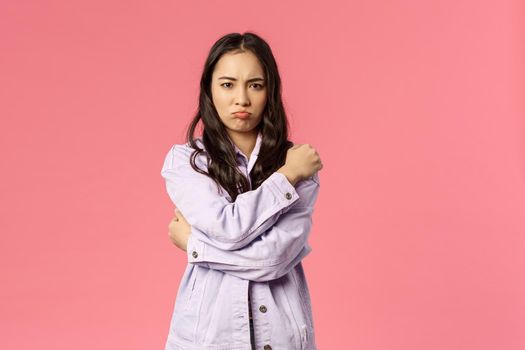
200, 307
302, 293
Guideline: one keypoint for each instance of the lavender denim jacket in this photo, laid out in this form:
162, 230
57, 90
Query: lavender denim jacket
253, 246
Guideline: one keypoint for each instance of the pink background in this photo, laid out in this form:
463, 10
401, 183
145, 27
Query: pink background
416, 108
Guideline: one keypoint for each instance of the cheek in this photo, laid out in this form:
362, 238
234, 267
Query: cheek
219, 100
261, 101
264, 96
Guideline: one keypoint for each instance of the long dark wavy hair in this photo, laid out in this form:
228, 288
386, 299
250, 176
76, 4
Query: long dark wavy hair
220, 152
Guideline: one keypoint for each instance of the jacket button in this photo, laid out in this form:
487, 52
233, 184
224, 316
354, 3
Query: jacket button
267, 347
288, 195
262, 308
194, 254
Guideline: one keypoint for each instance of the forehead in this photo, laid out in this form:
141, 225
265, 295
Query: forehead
242, 64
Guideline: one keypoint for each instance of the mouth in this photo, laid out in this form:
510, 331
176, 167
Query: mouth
242, 115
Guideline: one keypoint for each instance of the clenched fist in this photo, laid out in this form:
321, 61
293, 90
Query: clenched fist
302, 161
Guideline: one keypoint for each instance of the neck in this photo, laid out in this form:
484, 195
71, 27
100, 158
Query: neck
244, 140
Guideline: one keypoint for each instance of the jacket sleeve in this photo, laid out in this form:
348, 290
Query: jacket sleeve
271, 255
227, 225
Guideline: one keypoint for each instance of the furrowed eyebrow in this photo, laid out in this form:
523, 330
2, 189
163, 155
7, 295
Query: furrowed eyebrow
249, 80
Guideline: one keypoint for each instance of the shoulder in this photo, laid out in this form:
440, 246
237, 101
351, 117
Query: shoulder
308, 186
315, 178
179, 155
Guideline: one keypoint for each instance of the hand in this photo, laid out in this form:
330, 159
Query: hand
179, 230
302, 161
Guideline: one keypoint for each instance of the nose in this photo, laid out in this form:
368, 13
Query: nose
242, 97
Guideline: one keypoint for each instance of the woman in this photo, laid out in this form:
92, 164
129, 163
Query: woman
245, 197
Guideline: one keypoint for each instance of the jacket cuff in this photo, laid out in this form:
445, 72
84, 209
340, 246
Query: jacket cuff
283, 189
195, 250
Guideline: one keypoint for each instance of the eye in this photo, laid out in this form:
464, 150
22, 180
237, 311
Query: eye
257, 86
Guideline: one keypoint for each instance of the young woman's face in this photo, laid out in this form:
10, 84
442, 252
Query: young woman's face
238, 84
